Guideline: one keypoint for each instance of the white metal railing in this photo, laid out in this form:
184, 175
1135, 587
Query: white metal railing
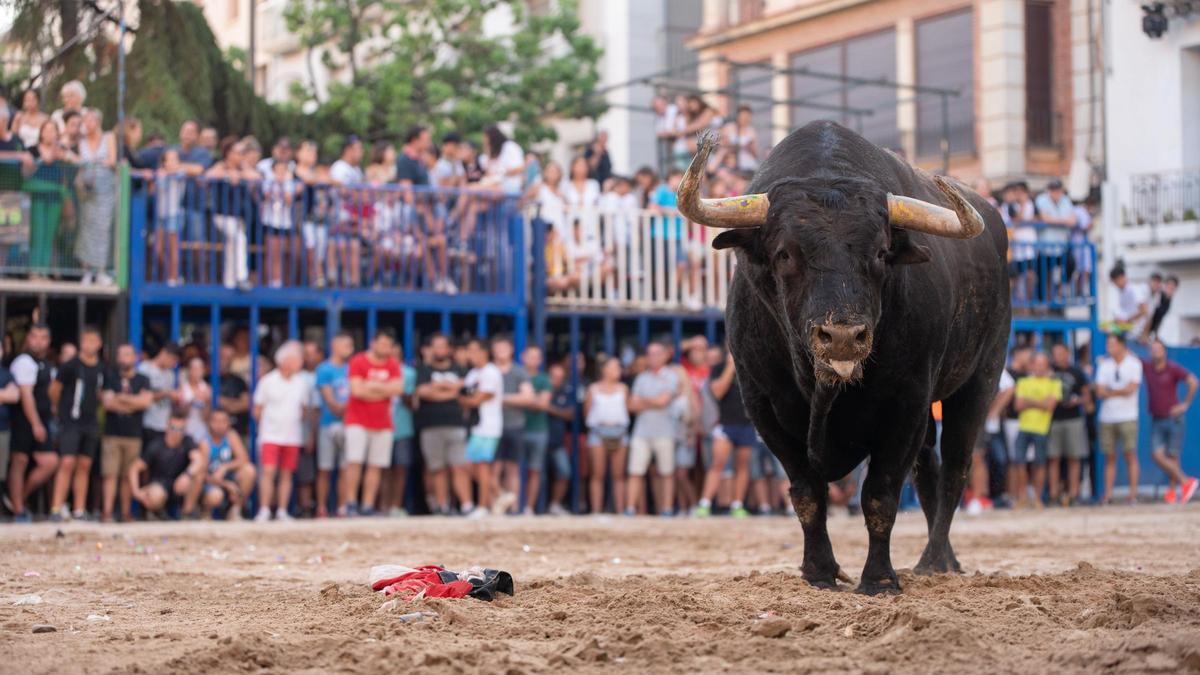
634, 259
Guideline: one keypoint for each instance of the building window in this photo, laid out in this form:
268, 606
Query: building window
1040, 117
867, 108
946, 59
751, 86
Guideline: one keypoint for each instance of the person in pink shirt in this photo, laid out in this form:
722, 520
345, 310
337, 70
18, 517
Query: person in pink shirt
374, 379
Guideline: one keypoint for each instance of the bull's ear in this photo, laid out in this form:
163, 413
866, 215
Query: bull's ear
904, 252
731, 239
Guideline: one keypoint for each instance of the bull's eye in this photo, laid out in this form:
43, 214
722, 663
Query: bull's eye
882, 255
783, 256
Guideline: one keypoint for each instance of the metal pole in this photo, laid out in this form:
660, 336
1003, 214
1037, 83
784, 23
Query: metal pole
250, 51
121, 81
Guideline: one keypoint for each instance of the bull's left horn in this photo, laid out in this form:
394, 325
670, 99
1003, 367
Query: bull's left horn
730, 212
961, 222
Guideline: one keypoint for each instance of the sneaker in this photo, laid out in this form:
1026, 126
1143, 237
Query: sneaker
1171, 495
702, 511
764, 510
479, 513
451, 288
282, 516
974, 508
667, 513
234, 515
557, 510
397, 512
7, 502
629, 512
104, 280
1189, 490
172, 283
739, 512
87, 279
503, 503
367, 511
22, 517
264, 514
349, 510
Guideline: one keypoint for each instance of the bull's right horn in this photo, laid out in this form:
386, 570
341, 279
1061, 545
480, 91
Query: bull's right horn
729, 212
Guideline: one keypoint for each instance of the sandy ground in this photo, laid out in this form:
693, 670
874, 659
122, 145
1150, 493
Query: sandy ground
1079, 591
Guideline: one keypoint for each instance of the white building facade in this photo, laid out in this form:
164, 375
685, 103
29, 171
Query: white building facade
1152, 197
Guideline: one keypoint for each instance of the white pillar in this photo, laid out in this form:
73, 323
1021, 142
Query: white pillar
906, 71
1002, 88
781, 91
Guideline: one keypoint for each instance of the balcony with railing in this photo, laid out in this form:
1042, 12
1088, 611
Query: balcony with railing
1160, 217
59, 227
293, 242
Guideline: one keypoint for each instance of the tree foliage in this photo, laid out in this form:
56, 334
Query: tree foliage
442, 63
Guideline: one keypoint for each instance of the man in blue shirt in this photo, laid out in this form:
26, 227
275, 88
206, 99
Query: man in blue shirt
333, 386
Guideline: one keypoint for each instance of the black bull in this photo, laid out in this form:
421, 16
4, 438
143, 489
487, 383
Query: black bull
940, 329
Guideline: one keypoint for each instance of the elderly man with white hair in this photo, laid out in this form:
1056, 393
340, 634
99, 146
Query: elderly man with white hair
72, 94
281, 400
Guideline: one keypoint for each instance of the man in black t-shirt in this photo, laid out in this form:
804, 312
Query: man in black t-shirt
175, 467
126, 395
30, 419
440, 419
1068, 431
561, 411
75, 393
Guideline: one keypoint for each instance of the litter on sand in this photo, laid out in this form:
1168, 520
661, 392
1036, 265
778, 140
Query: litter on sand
433, 581
30, 599
98, 617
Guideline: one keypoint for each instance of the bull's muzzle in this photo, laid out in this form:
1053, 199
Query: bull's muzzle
840, 348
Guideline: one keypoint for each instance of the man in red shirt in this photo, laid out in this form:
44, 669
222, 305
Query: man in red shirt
374, 380
1162, 383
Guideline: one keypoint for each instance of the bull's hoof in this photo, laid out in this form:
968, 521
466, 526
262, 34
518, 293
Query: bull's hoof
828, 584
825, 581
943, 563
889, 586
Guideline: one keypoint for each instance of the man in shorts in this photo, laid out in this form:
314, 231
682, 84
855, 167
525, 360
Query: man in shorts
1068, 432
30, 441
1036, 396
125, 397
75, 394
560, 411
402, 438
374, 380
281, 402
1163, 378
443, 433
518, 395
174, 468
1118, 380
333, 388
230, 474
654, 431
536, 438
483, 391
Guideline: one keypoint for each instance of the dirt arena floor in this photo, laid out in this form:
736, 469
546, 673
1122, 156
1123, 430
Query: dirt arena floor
1081, 591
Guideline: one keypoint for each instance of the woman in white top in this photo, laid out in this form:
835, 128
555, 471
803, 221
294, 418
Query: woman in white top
97, 198
580, 192
742, 140
606, 411
195, 394
28, 121
504, 161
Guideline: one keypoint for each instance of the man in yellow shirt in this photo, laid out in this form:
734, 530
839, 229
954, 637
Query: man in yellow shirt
1037, 394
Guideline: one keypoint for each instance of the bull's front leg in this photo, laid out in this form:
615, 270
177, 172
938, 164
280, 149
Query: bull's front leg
810, 499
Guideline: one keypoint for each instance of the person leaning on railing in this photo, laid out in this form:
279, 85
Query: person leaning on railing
1057, 212
97, 195
48, 183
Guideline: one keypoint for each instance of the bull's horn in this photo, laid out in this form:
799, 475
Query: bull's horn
961, 222
731, 212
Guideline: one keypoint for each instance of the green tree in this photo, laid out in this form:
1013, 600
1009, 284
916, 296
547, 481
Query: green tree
431, 62
63, 39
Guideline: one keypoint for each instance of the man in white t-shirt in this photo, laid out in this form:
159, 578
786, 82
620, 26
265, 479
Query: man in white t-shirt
346, 169
1118, 380
1128, 302
483, 391
281, 401
991, 442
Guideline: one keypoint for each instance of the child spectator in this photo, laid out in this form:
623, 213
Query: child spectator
1037, 394
374, 379
169, 185
174, 466
606, 410
279, 190
125, 397
483, 393
280, 402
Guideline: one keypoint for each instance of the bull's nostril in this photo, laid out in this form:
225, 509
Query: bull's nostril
824, 336
861, 338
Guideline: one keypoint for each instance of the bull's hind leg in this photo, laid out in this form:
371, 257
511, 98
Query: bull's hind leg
925, 475
964, 416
